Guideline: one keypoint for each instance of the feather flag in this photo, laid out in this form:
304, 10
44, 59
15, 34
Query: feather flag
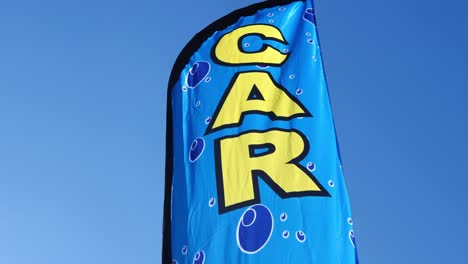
253, 172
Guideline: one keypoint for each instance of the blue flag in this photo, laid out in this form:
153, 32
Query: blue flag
253, 172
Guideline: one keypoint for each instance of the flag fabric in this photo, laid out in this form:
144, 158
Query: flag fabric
253, 171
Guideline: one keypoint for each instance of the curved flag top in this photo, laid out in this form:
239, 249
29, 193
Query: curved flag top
253, 173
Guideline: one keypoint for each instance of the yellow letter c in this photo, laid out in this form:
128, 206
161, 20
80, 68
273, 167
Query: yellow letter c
228, 50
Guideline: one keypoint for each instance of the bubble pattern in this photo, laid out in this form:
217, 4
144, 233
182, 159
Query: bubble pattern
199, 257
300, 236
283, 217
197, 73
211, 202
309, 15
196, 149
352, 238
254, 229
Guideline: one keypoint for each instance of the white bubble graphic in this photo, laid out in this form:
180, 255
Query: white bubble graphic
184, 250
311, 166
300, 236
283, 217
211, 202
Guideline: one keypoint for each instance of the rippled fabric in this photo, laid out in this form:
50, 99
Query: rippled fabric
253, 172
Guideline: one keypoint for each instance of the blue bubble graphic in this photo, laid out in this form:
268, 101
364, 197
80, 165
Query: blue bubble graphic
314, 58
184, 250
199, 257
270, 14
254, 229
311, 166
208, 120
283, 217
350, 221
308, 34
299, 91
198, 103
271, 21
285, 234
300, 236
311, 41
309, 15
197, 73
211, 202
352, 238
184, 88
285, 50
207, 79
292, 76
196, 149
282, 8
263, 66
174, 261
331, 183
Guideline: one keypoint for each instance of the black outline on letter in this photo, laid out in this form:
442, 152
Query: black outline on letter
255, 92
241, 49
261, 174
270, 149
271, 115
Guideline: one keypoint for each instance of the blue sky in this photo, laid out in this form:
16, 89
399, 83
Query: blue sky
82, 117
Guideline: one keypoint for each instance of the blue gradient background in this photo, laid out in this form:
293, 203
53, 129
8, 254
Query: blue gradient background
82, 116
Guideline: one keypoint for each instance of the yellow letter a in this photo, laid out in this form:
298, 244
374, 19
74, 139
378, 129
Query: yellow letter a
255, 93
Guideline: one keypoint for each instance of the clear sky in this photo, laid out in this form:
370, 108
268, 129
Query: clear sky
82, 122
